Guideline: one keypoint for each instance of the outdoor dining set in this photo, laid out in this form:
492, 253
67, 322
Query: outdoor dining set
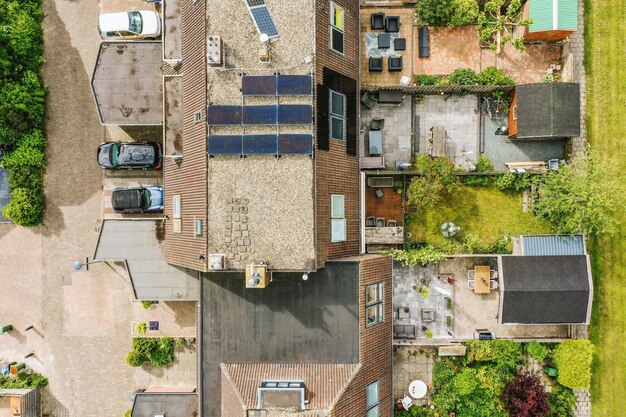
482, 279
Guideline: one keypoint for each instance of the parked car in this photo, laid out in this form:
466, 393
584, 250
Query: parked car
137, 199
135, 24
130, 155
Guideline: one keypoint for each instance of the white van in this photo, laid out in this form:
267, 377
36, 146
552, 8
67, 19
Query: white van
136, 24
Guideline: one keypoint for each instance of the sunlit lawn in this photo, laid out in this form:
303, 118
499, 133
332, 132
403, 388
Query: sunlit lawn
606, 125
486, 212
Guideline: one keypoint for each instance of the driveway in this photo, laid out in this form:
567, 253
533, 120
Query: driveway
81, 319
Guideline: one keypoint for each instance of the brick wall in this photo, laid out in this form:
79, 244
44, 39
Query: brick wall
336, 171
375, 346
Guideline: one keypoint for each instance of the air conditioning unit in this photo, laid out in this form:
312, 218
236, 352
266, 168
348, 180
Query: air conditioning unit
214, 51
217, 262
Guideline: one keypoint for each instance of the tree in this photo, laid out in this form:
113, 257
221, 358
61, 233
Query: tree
447, 12
496, 28
573, 362
436, 177
525, 396
581, 197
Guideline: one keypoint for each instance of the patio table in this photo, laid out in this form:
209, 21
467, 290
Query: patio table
418, 389
482, 274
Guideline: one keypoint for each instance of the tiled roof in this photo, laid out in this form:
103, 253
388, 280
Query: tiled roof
324, 382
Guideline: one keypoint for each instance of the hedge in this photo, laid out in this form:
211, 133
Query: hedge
159, 352
572, 359
22, 108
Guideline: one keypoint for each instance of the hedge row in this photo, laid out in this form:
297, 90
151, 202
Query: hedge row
22, 105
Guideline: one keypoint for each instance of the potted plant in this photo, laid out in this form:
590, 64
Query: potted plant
429, 334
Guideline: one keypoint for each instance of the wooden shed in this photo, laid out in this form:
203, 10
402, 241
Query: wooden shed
552, 20
20, 402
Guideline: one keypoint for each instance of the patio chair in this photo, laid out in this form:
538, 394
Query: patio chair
399, 44
407, 402
377, 124
395, 63
377, 21
494, 285
428, 315
471, 284
379, 193
376, 64
367, 100
424, 42
493, 274
392, 223
380, 221
471, 274
370, 221
392, 24
384, 41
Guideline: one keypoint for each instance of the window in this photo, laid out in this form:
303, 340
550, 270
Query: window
372, 399
514, 112
337, 115
337, 219
336, 28
177, 222
197, 116
135, 24
176, 206
374, 304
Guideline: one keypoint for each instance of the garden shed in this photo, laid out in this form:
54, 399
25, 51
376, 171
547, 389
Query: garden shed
545, 111
552, 20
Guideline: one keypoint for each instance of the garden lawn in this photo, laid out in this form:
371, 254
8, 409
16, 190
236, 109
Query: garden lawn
483, 211
605, 65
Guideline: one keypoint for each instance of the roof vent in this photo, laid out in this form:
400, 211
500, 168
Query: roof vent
217, 262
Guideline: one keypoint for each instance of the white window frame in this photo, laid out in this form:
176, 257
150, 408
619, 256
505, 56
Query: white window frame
340, 118
515, 112
372, 404
377, 305
177, 207
334, 7
337, 219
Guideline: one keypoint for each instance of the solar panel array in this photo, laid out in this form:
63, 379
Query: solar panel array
252, 3
283, 114
269, 85
263, 20
284, 144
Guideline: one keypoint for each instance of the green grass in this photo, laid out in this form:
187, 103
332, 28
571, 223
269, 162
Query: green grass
486, 212
605, 64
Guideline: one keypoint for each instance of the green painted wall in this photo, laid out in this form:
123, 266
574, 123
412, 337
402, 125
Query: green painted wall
568, 14
541, 13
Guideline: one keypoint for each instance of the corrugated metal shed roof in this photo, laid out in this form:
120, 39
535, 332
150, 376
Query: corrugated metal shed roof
553, 245
139, 243
543, 18
165, 403
440, 89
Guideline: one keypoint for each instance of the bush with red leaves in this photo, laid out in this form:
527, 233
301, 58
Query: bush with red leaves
525, 396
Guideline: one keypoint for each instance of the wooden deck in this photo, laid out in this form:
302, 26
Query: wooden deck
388, 206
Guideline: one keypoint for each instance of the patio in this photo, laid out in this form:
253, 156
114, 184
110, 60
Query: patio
459, 116
410, 364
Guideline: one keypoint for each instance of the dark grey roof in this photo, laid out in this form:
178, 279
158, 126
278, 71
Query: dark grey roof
548, 110
140, 244
127, 83
290, 321
165, 403
553, 245
545, 289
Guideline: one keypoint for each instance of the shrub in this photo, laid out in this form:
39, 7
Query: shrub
425, 79
464, 76
135, 359
494, 76
581, 197
526, 396
537, 351
22, 103
472, 244
517, 182
180, 342
572, 358
484, 164
26, 207
436, 178
422, 256
547, 78
449, 321
504, 354
476, 180
561, 401
23, 381
128, 413
447, 12
141, 327
146, 304
428, 334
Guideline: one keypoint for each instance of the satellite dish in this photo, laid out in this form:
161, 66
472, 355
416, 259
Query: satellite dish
264, 38
305, 277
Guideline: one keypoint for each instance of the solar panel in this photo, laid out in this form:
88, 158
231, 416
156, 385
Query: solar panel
295, 114
294, 84
259, 115
295, 144
223, 115
260, 144
258, 85
252, 3
225, 145
263, 21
